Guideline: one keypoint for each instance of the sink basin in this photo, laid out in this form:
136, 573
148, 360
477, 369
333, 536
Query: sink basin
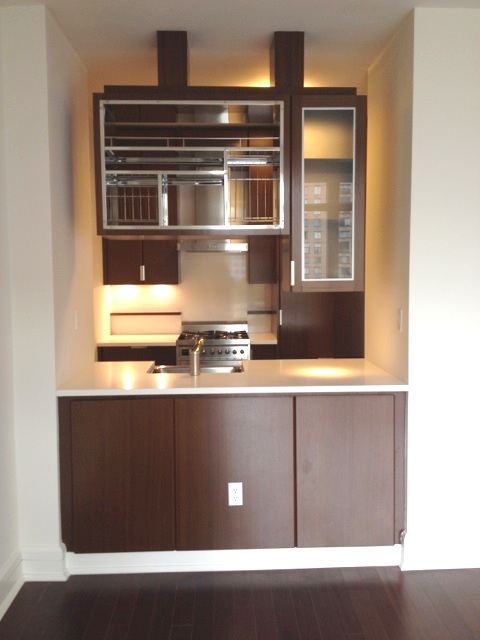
173, 368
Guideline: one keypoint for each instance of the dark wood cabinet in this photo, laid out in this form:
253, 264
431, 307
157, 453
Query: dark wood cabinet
350, 469
150, 473
263, 265
322, 263
328, 192
160, 355
117, 486
135, 261
322, 325
234, 439
263, 352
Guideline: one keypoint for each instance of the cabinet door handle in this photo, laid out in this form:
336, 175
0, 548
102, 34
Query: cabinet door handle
292, 273
142, 273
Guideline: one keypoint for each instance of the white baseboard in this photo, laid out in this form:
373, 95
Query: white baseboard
11, 581
44, 564
235, 560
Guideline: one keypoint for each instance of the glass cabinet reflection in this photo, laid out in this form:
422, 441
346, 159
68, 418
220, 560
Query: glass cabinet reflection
328, 142
329, 213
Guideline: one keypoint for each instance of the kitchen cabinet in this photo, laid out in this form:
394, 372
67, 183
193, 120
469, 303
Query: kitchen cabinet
350, 469
153, 473
116, 462
234, 439
160, 355
263, 351
328, 193
189, 162
138, 261
263, 265
322, 325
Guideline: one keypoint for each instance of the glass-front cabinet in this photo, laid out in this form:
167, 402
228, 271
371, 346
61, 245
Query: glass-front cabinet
328, 193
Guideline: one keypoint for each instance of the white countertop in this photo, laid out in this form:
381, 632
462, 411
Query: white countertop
259, 376
168, 340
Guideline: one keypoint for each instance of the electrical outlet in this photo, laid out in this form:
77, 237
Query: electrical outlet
235, 494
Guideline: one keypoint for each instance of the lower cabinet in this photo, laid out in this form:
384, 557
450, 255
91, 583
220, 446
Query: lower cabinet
116, 458
350, 469
263, 351
242, 439
153, 473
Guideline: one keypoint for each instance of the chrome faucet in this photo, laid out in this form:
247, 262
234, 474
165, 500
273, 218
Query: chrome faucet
195, 356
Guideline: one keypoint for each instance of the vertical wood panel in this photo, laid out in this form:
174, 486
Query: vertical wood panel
122, 469
346, 470
287, 59
243, 439
172, 58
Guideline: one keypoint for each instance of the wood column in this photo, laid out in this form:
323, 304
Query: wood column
172, 58
287, 59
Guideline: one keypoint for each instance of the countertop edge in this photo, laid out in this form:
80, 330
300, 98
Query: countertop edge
267, 377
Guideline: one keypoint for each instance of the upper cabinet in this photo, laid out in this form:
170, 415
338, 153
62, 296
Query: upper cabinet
138, 261
189, 165
328, 193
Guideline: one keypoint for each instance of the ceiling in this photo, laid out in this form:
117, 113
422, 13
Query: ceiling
229, 40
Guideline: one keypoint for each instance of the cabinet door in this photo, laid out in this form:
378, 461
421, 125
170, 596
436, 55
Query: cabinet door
121, 261
223, 440
160, 258
121, 475
262, 259
328, 193
350, 470
322, 325
263, 352
140, 261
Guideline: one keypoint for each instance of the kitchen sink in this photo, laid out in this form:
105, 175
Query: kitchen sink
174, 368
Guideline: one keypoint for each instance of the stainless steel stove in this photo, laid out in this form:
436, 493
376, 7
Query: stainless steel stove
222, 342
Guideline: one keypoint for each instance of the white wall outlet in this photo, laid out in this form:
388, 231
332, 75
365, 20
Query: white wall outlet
235, 494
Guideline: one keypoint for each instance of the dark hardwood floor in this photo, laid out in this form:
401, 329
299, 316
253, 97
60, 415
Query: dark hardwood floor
324, 604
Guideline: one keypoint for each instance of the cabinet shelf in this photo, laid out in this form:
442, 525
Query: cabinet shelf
199, 165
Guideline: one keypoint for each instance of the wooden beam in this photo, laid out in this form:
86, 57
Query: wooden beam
172, 58
287, 60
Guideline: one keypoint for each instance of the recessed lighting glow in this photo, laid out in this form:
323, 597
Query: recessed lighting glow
127, 381
126, 291
260, 82
161, 291
323, 372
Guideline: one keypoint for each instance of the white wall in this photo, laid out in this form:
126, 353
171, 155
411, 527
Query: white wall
44, 87
424, 93
71, 204
10, 574
390, 97
444, 336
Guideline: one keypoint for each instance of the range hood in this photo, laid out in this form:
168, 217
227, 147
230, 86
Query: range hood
214, 245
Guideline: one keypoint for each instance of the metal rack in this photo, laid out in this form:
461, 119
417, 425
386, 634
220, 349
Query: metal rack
191, 174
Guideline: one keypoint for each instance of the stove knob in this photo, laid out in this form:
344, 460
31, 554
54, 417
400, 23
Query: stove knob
227, 351
219, 351
212, 351
242, 351
234, 351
